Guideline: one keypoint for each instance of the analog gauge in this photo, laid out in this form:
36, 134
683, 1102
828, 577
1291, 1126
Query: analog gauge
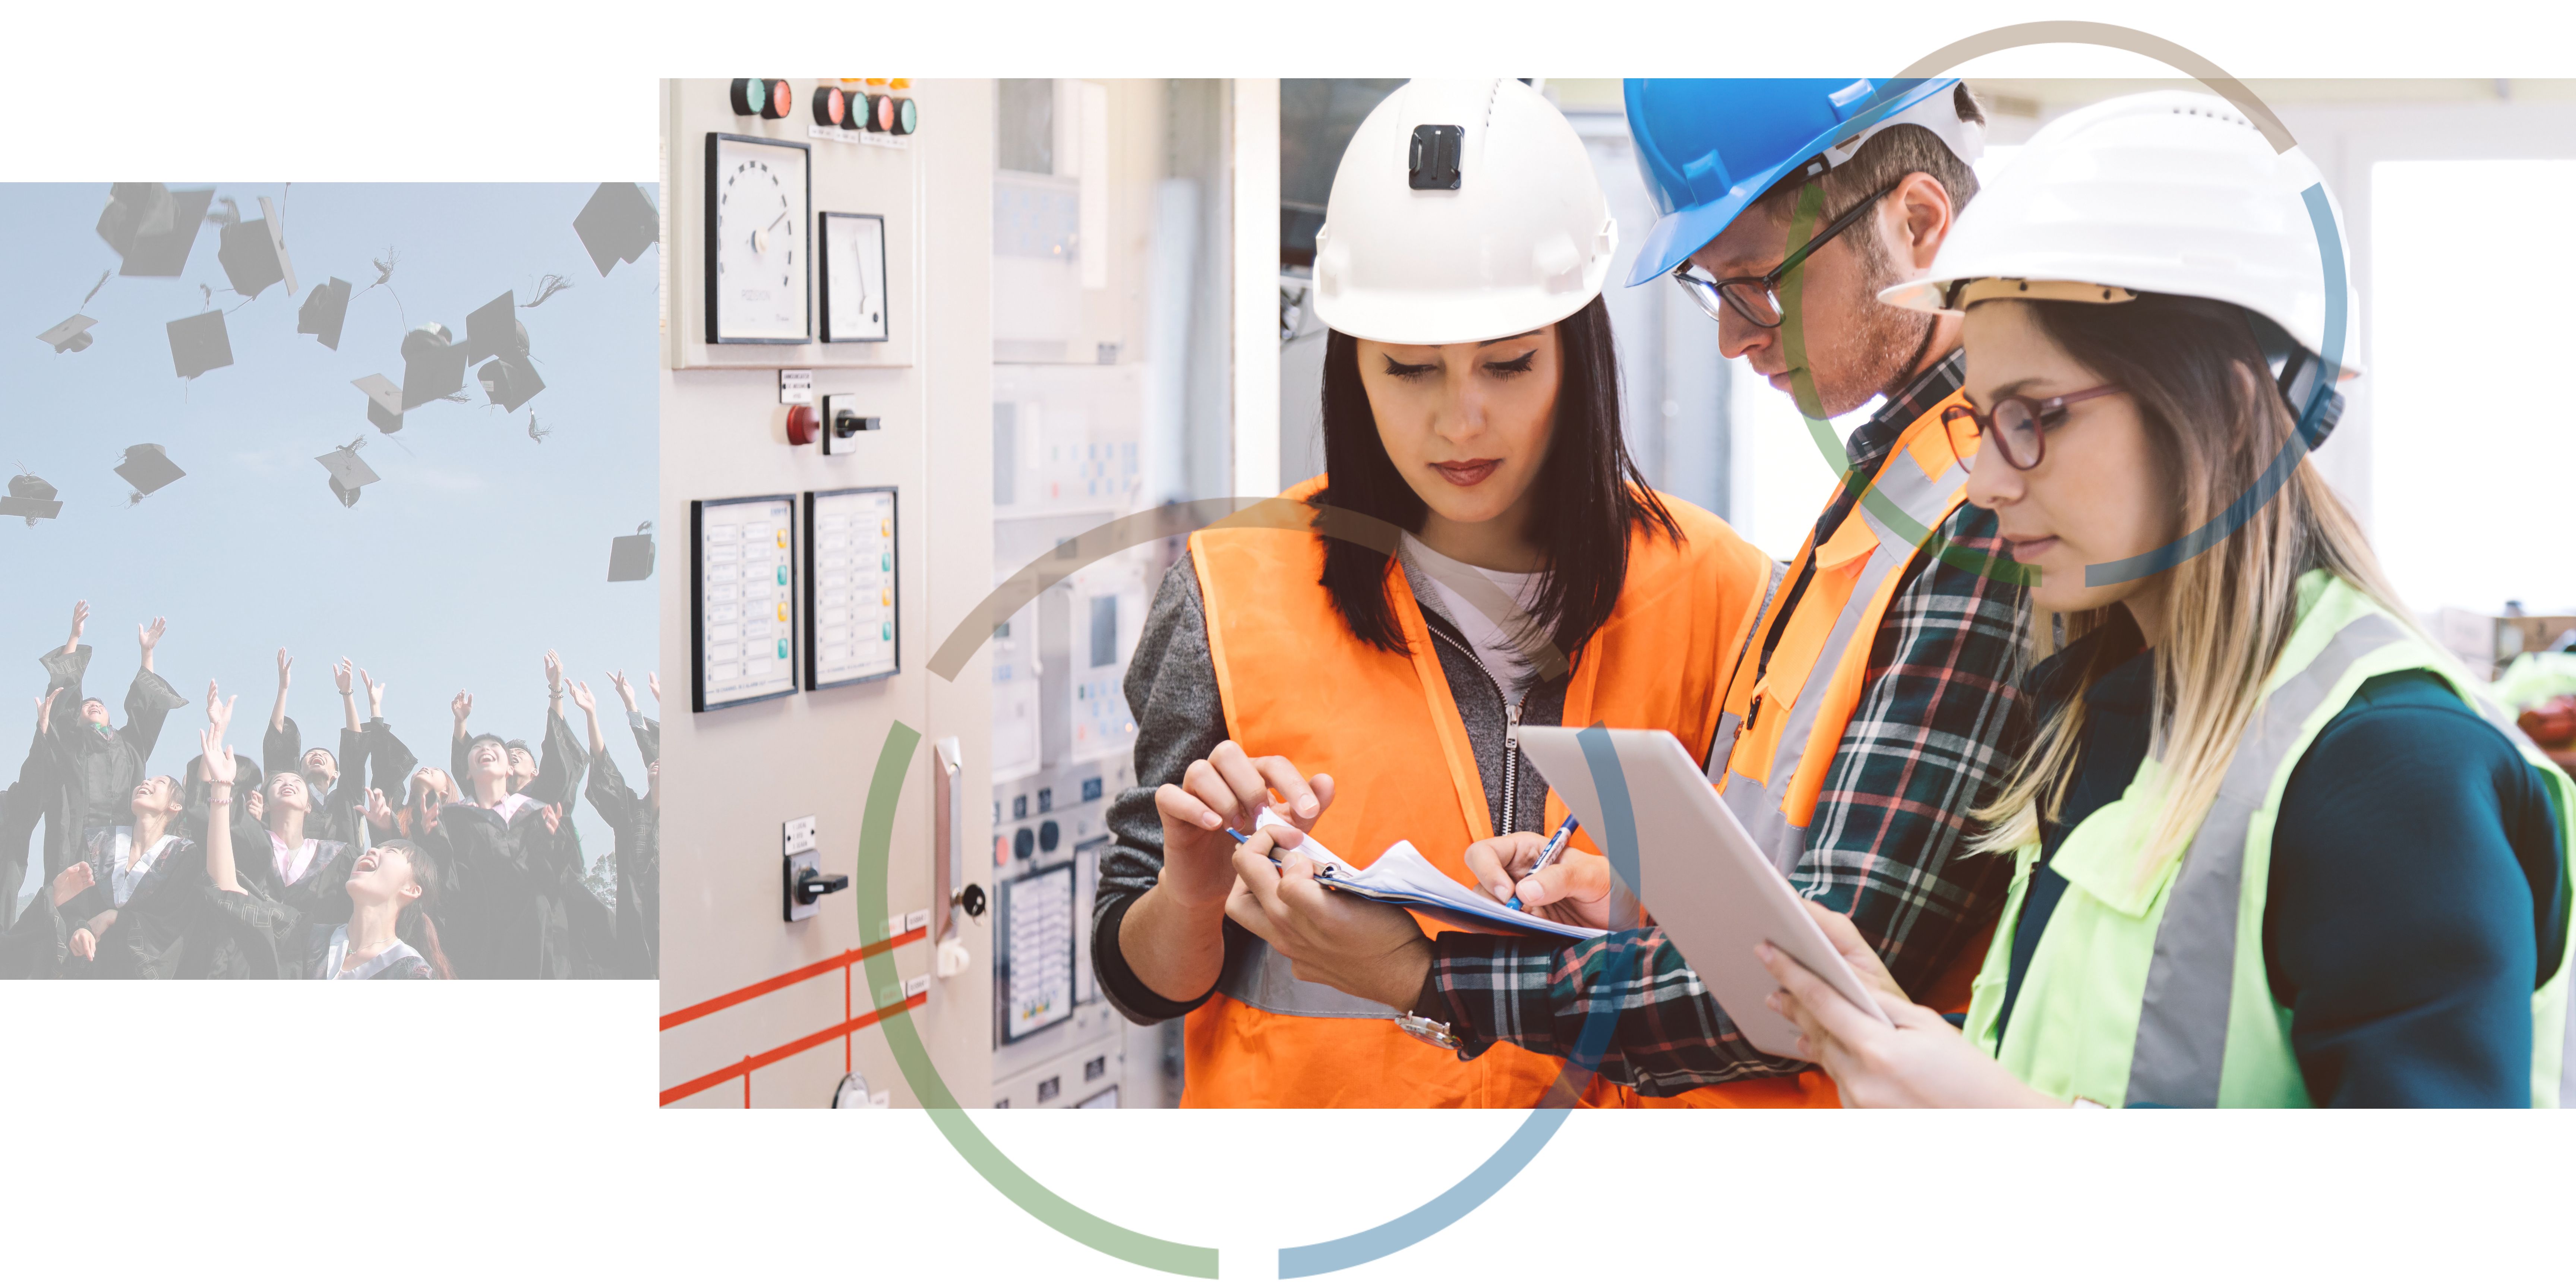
854, 277
759, 265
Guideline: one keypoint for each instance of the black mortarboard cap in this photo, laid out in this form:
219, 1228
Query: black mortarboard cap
433, 367
253, 257
30, 498
510, 381
148, 469
494, 330
325, 308
631, 558
384, 402
199, 344
348, 473
71, 335
618, 223
152, 227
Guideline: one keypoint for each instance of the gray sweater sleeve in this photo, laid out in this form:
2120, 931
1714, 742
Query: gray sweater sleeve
1171, 686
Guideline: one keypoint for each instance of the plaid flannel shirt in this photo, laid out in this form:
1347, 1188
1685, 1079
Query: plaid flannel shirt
1940, 719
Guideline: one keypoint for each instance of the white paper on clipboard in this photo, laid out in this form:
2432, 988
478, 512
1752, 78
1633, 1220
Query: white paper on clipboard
1709, 887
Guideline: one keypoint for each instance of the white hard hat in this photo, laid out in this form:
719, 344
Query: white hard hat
2170, 192
1462, 211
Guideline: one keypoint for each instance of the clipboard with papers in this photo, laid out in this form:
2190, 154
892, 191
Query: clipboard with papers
1403, 877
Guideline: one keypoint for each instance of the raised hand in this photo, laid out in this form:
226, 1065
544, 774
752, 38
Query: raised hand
285, 665
45, 711
80, 623
219, 712
553, 815
625, 691
71, 881
148, 635
375, 695
256, 804
379, 812
554, 672
654, 680
463, 705
219, 766
581, 698
340, 676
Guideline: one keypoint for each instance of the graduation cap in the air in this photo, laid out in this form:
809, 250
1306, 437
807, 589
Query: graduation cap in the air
325, 308
494, 330
510, 381
433, 365
348, 473
153, 228
149, 469
253, 253
384, 402
618, 223
30, 498
71, 335
631, 558
199, 344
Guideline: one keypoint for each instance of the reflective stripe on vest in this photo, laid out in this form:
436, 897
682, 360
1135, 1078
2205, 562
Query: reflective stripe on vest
1815, 716
2182, 1029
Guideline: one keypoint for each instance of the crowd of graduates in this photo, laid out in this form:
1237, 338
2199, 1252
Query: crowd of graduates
315, 863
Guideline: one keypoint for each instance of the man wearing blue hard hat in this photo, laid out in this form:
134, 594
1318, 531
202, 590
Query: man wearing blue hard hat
1875, 706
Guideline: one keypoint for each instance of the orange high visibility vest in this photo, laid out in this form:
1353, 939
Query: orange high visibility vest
1296, 683
1781, 728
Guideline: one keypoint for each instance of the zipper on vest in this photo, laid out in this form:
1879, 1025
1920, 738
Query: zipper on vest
1511, 722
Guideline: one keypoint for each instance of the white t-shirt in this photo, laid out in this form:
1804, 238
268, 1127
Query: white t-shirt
1493, 644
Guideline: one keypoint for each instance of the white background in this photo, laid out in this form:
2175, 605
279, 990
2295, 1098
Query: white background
505, 1133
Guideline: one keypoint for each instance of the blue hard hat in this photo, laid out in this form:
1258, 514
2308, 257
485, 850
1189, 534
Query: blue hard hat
1710, 148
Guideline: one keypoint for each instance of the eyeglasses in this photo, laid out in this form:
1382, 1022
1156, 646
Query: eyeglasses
2018, 425
1756, 299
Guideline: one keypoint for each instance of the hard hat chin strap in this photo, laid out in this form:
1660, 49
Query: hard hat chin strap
2302, 377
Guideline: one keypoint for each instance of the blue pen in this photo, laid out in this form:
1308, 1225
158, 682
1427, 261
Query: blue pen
1555, 844
1241, 839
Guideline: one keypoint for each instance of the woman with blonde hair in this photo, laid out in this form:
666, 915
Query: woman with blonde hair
2272, 846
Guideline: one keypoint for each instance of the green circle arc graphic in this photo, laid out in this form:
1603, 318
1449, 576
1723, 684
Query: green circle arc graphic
894, 759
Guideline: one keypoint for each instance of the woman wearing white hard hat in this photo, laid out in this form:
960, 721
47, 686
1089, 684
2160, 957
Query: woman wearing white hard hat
2272, 846
1470, 401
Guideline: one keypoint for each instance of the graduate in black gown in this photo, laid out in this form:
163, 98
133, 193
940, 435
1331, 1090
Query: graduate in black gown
637, 823
276, 858
97, 767
132, 922
506, 875
342, 796
21, 808
390, 893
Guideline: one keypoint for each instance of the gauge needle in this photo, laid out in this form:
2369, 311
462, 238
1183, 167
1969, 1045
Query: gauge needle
782, 218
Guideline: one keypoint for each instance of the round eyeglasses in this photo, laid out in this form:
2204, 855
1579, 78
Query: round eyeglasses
2017, 425
1757, 299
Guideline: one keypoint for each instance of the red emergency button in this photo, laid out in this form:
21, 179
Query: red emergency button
830, 108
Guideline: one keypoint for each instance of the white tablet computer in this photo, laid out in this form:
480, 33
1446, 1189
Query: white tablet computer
1708, 886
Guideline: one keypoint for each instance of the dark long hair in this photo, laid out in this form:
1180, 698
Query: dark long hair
414, 925
1595, 493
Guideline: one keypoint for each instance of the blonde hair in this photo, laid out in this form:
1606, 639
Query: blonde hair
2217, 423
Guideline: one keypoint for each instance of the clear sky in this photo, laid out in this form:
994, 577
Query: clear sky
478, 550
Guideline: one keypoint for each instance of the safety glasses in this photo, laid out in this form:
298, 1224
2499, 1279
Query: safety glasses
2017, 425
1756, 299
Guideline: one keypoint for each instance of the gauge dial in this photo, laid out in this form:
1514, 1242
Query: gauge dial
759, 265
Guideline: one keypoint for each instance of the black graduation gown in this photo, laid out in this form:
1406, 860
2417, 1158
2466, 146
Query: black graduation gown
504, 912
225, 942
95, 772
150, 933
639, 866
275, 941
37, 945
21, 807
335, 816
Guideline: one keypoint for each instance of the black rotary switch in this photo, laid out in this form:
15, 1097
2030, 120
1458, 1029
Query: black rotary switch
1048, 835
971, 899
1023, 843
